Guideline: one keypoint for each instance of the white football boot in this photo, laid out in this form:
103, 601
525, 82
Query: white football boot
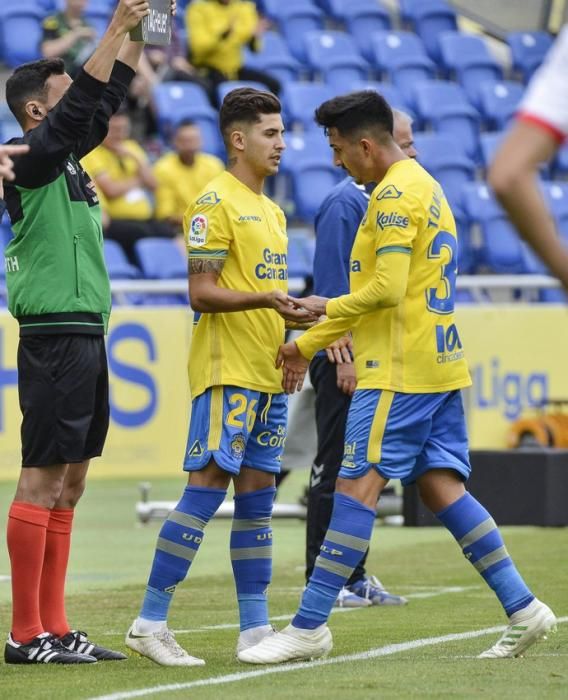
161, 647
292, 644
525, 627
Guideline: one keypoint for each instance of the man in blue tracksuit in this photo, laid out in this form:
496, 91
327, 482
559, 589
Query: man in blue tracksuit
336, 225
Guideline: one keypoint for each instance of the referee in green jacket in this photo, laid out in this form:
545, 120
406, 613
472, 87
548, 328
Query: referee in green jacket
59, 292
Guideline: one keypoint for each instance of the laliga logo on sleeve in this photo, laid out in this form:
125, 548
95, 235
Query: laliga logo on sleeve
198, 230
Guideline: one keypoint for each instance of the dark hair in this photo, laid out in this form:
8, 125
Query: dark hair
28, 82
246, 105
184, 122
356, 112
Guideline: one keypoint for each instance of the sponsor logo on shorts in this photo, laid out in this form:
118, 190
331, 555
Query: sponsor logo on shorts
270, 439
237, 446
372, 364
196, 450
349, 455
198, 230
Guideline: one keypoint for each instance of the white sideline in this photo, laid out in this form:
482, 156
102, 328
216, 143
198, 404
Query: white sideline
387, 650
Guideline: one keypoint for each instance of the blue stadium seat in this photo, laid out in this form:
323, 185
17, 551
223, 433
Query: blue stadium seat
307, 146
9, 127
489, 143
391, 93
301, 99
160, 259
528, 50
20, 33
561, 162
444, 159
98, 16
502, 251
275, 8
300, 264
401, 57
311, 182
294, 21
556, 196
429, 19
468, 59
479, 203
175, 101
446, 108
334, 55
227, 86
6, 233
274, 58
361, 19
117, 263
498, 102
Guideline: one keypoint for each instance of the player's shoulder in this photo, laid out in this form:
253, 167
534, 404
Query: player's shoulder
404, 184
215, 195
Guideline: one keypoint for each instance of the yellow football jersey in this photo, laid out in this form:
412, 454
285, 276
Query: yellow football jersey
407, 241
230, 222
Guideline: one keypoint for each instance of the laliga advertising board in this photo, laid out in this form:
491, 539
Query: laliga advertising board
516, 353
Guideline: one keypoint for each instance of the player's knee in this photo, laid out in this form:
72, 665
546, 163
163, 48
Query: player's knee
45, 493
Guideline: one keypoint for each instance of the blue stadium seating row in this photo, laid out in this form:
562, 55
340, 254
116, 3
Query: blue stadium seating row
435, 45
488, 242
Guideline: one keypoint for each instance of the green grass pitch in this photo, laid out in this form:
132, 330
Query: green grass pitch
110, 562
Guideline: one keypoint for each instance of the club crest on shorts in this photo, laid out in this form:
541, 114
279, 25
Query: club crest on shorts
198, 230
238, 446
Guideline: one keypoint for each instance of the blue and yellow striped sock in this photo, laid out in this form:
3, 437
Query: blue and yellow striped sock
344, 545
251, 555
477, 534
178, 542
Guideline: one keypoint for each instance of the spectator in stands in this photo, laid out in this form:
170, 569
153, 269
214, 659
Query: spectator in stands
69, 36
217, 32
336, 225
182, 174
125, 180
537, 134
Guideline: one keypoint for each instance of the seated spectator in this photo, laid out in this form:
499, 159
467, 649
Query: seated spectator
182, 174
217, 32
67, 35
125, 183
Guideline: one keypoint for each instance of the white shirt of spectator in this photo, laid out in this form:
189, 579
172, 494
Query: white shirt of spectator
545, 102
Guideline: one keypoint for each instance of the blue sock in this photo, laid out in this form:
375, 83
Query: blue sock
481, 542
345, 543
251, 554
178, 542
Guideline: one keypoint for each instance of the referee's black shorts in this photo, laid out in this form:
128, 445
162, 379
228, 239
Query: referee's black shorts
63, 391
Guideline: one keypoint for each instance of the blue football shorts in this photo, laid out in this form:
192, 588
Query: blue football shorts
403, 436
236, 427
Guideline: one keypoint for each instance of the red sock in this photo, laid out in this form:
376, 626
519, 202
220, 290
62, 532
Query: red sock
26, 535
54, 572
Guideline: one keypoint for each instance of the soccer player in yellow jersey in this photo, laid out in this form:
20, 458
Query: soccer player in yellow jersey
238, 281
406, 418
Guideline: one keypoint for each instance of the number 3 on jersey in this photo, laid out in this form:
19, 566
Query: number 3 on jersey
448, 273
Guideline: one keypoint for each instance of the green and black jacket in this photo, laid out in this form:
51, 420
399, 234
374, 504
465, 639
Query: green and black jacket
55, 271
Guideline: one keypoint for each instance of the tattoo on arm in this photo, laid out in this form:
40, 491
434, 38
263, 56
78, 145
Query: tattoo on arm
198, 266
